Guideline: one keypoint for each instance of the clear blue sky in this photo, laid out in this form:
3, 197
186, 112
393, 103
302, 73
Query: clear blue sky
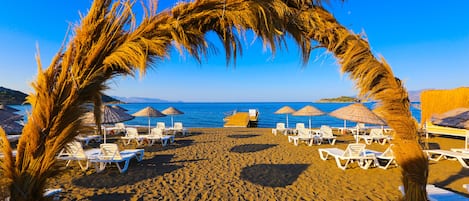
426, 44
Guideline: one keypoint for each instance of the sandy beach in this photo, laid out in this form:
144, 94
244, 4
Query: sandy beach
247, 164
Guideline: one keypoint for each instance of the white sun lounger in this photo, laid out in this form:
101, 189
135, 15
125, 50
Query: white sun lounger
86, 139
353, 152
438, 154
111, 154
74, 151
303, 135
156, 134
325, 133
440, 194
376, 135
384, 159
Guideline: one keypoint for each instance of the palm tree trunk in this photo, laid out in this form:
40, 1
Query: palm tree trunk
374, 79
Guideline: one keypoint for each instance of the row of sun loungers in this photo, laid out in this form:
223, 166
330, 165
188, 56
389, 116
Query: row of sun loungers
357, 153
107, 154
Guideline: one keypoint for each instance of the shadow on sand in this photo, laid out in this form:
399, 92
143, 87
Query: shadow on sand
249, 148
110, 177
113, 196
243, 135
273, 175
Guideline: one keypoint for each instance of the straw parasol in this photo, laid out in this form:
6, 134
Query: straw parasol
8, 108
285, 110
172, 111
148, 112
308, 111
9, 116
357, 112
109, 115
11, 127
120, 108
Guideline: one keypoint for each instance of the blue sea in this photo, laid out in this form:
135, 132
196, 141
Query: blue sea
210, 115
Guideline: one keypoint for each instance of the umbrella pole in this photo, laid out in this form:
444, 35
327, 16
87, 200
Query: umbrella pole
172, 121
287, 120
467, 140
309, 122
104, 131
345, 127
149, 124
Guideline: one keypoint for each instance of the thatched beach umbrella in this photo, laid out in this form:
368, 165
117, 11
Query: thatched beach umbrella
109, 115
172, 111
8, 108
357, 112
285, 110
11, 127
148, 112
9, 116
120, 108
308, 111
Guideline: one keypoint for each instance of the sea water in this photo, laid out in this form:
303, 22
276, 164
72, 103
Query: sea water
210, 115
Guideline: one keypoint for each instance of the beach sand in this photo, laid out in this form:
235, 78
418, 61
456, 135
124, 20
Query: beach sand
247, 164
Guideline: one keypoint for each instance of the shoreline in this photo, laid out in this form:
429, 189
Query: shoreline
246, 164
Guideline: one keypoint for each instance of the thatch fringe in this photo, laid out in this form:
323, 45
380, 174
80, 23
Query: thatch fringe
440, 101
108, 43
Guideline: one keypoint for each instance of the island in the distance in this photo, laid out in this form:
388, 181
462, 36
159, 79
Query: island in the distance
341, 99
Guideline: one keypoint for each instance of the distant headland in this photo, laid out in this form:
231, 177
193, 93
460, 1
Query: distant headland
341, 99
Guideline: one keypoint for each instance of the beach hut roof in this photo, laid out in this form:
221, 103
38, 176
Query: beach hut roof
456, 118
440, 101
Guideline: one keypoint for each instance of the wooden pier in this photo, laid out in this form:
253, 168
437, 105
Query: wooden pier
241, 119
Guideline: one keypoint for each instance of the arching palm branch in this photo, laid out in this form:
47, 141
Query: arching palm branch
108, 43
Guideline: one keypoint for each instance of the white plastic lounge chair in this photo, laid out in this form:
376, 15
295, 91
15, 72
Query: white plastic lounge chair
384, 159
353, 152
298, 127
178, 128
111, 154
376, 135
439, 194
86, 139
325, 133
160, 125
73, 151
156, 134
280, 128
438, 154
119, 128
132, 134
303, 135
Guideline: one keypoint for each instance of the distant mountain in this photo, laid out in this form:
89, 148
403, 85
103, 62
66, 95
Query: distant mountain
13, 97
414, 96
140, 99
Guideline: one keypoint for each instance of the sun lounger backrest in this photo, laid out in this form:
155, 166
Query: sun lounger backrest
326, 131
120, 125
303, 133
160, 125
177, 125
354, 150
110, 151
156, 132
280, 126
131, 132
388, 152
300, 125
376, 132
75, 149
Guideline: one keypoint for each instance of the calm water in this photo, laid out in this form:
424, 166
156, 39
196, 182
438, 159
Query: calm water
210, 115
